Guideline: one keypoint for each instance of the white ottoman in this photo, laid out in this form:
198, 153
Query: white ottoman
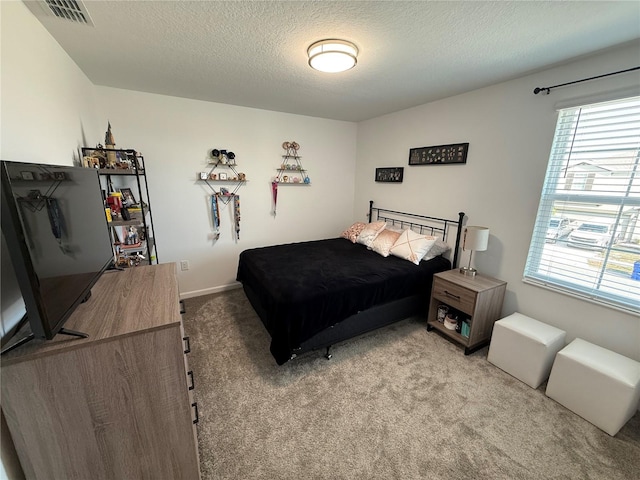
525, 347
601, 386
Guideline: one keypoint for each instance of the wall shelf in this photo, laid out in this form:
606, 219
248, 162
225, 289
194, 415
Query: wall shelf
292, 173
222, 165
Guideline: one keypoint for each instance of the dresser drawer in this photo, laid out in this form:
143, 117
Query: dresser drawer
454, 295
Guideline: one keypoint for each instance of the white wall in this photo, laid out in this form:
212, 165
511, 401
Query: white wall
176, 136
47, 109
510, 131
47, 104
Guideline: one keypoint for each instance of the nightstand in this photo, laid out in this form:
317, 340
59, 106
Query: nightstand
478, 300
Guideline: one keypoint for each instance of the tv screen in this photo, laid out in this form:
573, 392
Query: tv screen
56, 231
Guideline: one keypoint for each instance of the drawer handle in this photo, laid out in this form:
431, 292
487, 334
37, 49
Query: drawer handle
183, 308
195, 406
186, 339
449, 294
193, 385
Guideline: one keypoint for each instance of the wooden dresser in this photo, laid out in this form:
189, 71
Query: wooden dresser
116, 405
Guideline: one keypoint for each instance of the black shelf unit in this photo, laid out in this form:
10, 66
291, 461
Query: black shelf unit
125, 168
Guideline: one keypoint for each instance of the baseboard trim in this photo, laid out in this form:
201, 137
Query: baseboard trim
207, 291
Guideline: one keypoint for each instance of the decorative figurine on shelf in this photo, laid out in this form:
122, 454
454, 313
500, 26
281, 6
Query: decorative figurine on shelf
223, 157
291, 148
99, 157
110, 143
132, 236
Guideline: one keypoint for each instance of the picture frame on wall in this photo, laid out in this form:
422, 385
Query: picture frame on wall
439, 154
389, 174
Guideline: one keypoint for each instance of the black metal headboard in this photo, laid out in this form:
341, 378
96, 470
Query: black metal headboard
422, 224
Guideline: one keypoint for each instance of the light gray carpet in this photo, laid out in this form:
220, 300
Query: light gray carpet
399, 403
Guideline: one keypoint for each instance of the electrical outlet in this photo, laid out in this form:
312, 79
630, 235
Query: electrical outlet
184, 265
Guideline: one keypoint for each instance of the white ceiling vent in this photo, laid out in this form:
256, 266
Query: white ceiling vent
72, 10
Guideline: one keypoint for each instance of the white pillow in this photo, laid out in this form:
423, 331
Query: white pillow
370, 232
384, 241
412, 246
438, 248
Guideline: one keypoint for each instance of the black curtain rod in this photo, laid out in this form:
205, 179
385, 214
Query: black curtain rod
548, 89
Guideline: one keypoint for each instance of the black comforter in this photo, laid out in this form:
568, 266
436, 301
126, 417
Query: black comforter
306, 287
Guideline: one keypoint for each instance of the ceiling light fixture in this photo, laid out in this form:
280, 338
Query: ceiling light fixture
332, 56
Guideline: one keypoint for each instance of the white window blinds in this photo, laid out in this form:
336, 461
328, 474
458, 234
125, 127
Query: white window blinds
586, 239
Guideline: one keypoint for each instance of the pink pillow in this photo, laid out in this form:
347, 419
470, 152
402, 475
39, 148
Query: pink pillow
353, 231
384, 241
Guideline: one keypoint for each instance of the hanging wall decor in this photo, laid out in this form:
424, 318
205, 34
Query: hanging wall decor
274, 194
439, 154
223, 170
389, 174
290, 171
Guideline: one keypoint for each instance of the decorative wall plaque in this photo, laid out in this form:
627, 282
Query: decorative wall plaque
439, 155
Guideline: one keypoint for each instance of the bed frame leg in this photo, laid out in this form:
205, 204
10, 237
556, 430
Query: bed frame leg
328, 355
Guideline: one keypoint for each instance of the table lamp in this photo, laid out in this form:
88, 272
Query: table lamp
474, 239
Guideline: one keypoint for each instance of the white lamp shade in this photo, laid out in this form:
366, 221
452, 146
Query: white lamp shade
475, 239
332, 56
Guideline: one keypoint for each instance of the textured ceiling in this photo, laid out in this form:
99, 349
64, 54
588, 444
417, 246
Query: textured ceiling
253, 53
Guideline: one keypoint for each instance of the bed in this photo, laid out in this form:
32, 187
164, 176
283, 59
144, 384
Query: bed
315, 294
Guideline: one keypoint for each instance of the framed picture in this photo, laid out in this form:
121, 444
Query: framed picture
439, 154
127, 196
389, 174
222, 176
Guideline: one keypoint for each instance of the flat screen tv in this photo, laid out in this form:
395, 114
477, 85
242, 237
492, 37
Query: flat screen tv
56, 232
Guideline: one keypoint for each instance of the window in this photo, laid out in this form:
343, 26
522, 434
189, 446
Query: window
592, 187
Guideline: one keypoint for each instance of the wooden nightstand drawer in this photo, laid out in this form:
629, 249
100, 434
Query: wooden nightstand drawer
454, 295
